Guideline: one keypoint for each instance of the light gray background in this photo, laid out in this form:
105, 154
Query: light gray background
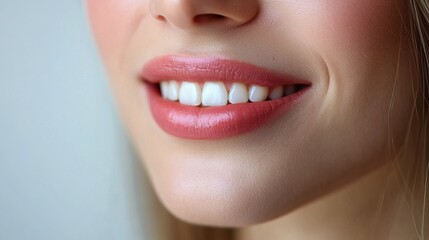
66, 168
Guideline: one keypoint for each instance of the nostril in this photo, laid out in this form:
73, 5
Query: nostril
160, 18
206, 18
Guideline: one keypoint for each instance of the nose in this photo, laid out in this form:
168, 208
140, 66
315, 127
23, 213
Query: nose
188, 14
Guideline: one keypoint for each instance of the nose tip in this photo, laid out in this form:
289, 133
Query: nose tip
187, 14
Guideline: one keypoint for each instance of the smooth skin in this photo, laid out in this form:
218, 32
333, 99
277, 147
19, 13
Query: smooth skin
354, 53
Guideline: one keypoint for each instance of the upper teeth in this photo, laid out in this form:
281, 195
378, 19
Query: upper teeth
216, 94
238, 93
190, 94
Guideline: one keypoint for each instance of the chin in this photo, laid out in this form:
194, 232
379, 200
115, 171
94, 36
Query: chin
226, 193
221, 202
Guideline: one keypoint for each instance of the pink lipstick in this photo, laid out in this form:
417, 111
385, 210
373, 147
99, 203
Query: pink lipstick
196, 122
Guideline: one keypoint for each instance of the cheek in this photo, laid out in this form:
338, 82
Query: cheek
359, 41
114, 21
359, 21
354, 27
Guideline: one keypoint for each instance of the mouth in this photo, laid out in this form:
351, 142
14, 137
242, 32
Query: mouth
214, 98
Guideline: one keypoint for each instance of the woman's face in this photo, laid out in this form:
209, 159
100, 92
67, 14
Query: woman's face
338, 72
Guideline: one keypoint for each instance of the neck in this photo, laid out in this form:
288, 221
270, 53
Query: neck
374, 207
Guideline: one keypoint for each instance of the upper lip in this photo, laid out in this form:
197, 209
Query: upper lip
197, 69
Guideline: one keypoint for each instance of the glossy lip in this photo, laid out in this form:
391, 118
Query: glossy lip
213, 122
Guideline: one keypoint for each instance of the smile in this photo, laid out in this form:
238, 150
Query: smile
238, 98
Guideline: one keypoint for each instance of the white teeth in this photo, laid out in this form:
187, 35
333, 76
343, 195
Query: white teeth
190, 94
173, 91
276, 93
214, 94
289, 90
238, 93
258, 93
164, 89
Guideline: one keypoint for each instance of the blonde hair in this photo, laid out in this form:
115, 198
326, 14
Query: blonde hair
418, 33
418, 174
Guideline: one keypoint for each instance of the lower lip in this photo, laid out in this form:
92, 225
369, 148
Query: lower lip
215, 122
